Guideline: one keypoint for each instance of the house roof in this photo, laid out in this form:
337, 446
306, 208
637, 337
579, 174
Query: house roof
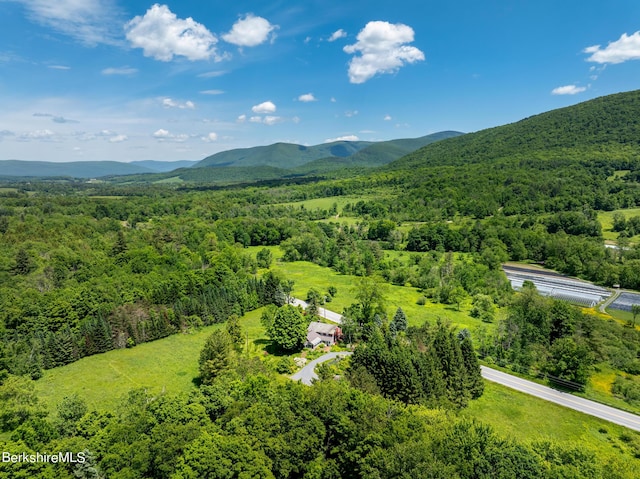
321, 328
313, 339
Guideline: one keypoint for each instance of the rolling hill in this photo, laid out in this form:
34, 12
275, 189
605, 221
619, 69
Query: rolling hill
605, 126
282, 155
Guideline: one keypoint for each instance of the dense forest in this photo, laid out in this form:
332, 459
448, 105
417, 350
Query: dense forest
88, 267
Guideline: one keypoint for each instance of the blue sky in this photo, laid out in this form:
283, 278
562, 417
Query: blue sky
116, 80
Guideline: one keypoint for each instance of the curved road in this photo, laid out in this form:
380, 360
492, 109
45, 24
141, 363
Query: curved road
308, 373
617, 416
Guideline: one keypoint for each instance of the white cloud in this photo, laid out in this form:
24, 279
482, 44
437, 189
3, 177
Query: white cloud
387, 118
5, 134
342, 138
90, 21
381, 48
212, 92
211, 137
38, 135
265, 107
166, 135
350, 113
119, 71
61, 119
250, 31
296, 119
337, 34
272, 120
213, 74
627, 47
162, 35
568, 90
59, 67
307, 97
161, 133
242, 118
169, 103
266, 120
118, 139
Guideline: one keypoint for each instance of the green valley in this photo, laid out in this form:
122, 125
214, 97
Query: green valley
144, 318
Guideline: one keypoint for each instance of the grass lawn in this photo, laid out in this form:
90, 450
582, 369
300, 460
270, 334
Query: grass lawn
526, 418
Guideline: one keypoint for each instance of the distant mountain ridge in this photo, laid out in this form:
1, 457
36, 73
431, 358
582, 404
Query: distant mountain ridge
278, 160
323, 157
163, 166
73, 169
282, 155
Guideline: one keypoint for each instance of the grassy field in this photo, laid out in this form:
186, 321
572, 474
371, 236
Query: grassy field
328, 202
308, 275
606, 220
167, 365
623, 317
526, 418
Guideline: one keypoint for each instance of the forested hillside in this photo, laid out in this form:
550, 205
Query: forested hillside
599, 129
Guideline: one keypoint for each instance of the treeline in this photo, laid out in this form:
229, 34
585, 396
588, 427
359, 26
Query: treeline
246, 424
568, 242
544, 335
72, 285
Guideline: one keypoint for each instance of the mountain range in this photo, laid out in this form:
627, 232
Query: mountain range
243, 164
604, 128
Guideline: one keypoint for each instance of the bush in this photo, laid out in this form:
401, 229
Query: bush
285, 365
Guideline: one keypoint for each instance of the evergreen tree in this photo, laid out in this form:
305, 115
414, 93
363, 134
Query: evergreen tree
120, 245
235, 330
399, 321
215, 357
474, 381
449, 355
23, 263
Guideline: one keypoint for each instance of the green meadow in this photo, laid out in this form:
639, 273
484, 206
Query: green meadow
168, 365
308, 275
526, 418
327, 203
606, 220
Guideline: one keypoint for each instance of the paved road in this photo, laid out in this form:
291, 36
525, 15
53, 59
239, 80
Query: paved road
308, 373
322, 312
617, 416
564, 399
609, 300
